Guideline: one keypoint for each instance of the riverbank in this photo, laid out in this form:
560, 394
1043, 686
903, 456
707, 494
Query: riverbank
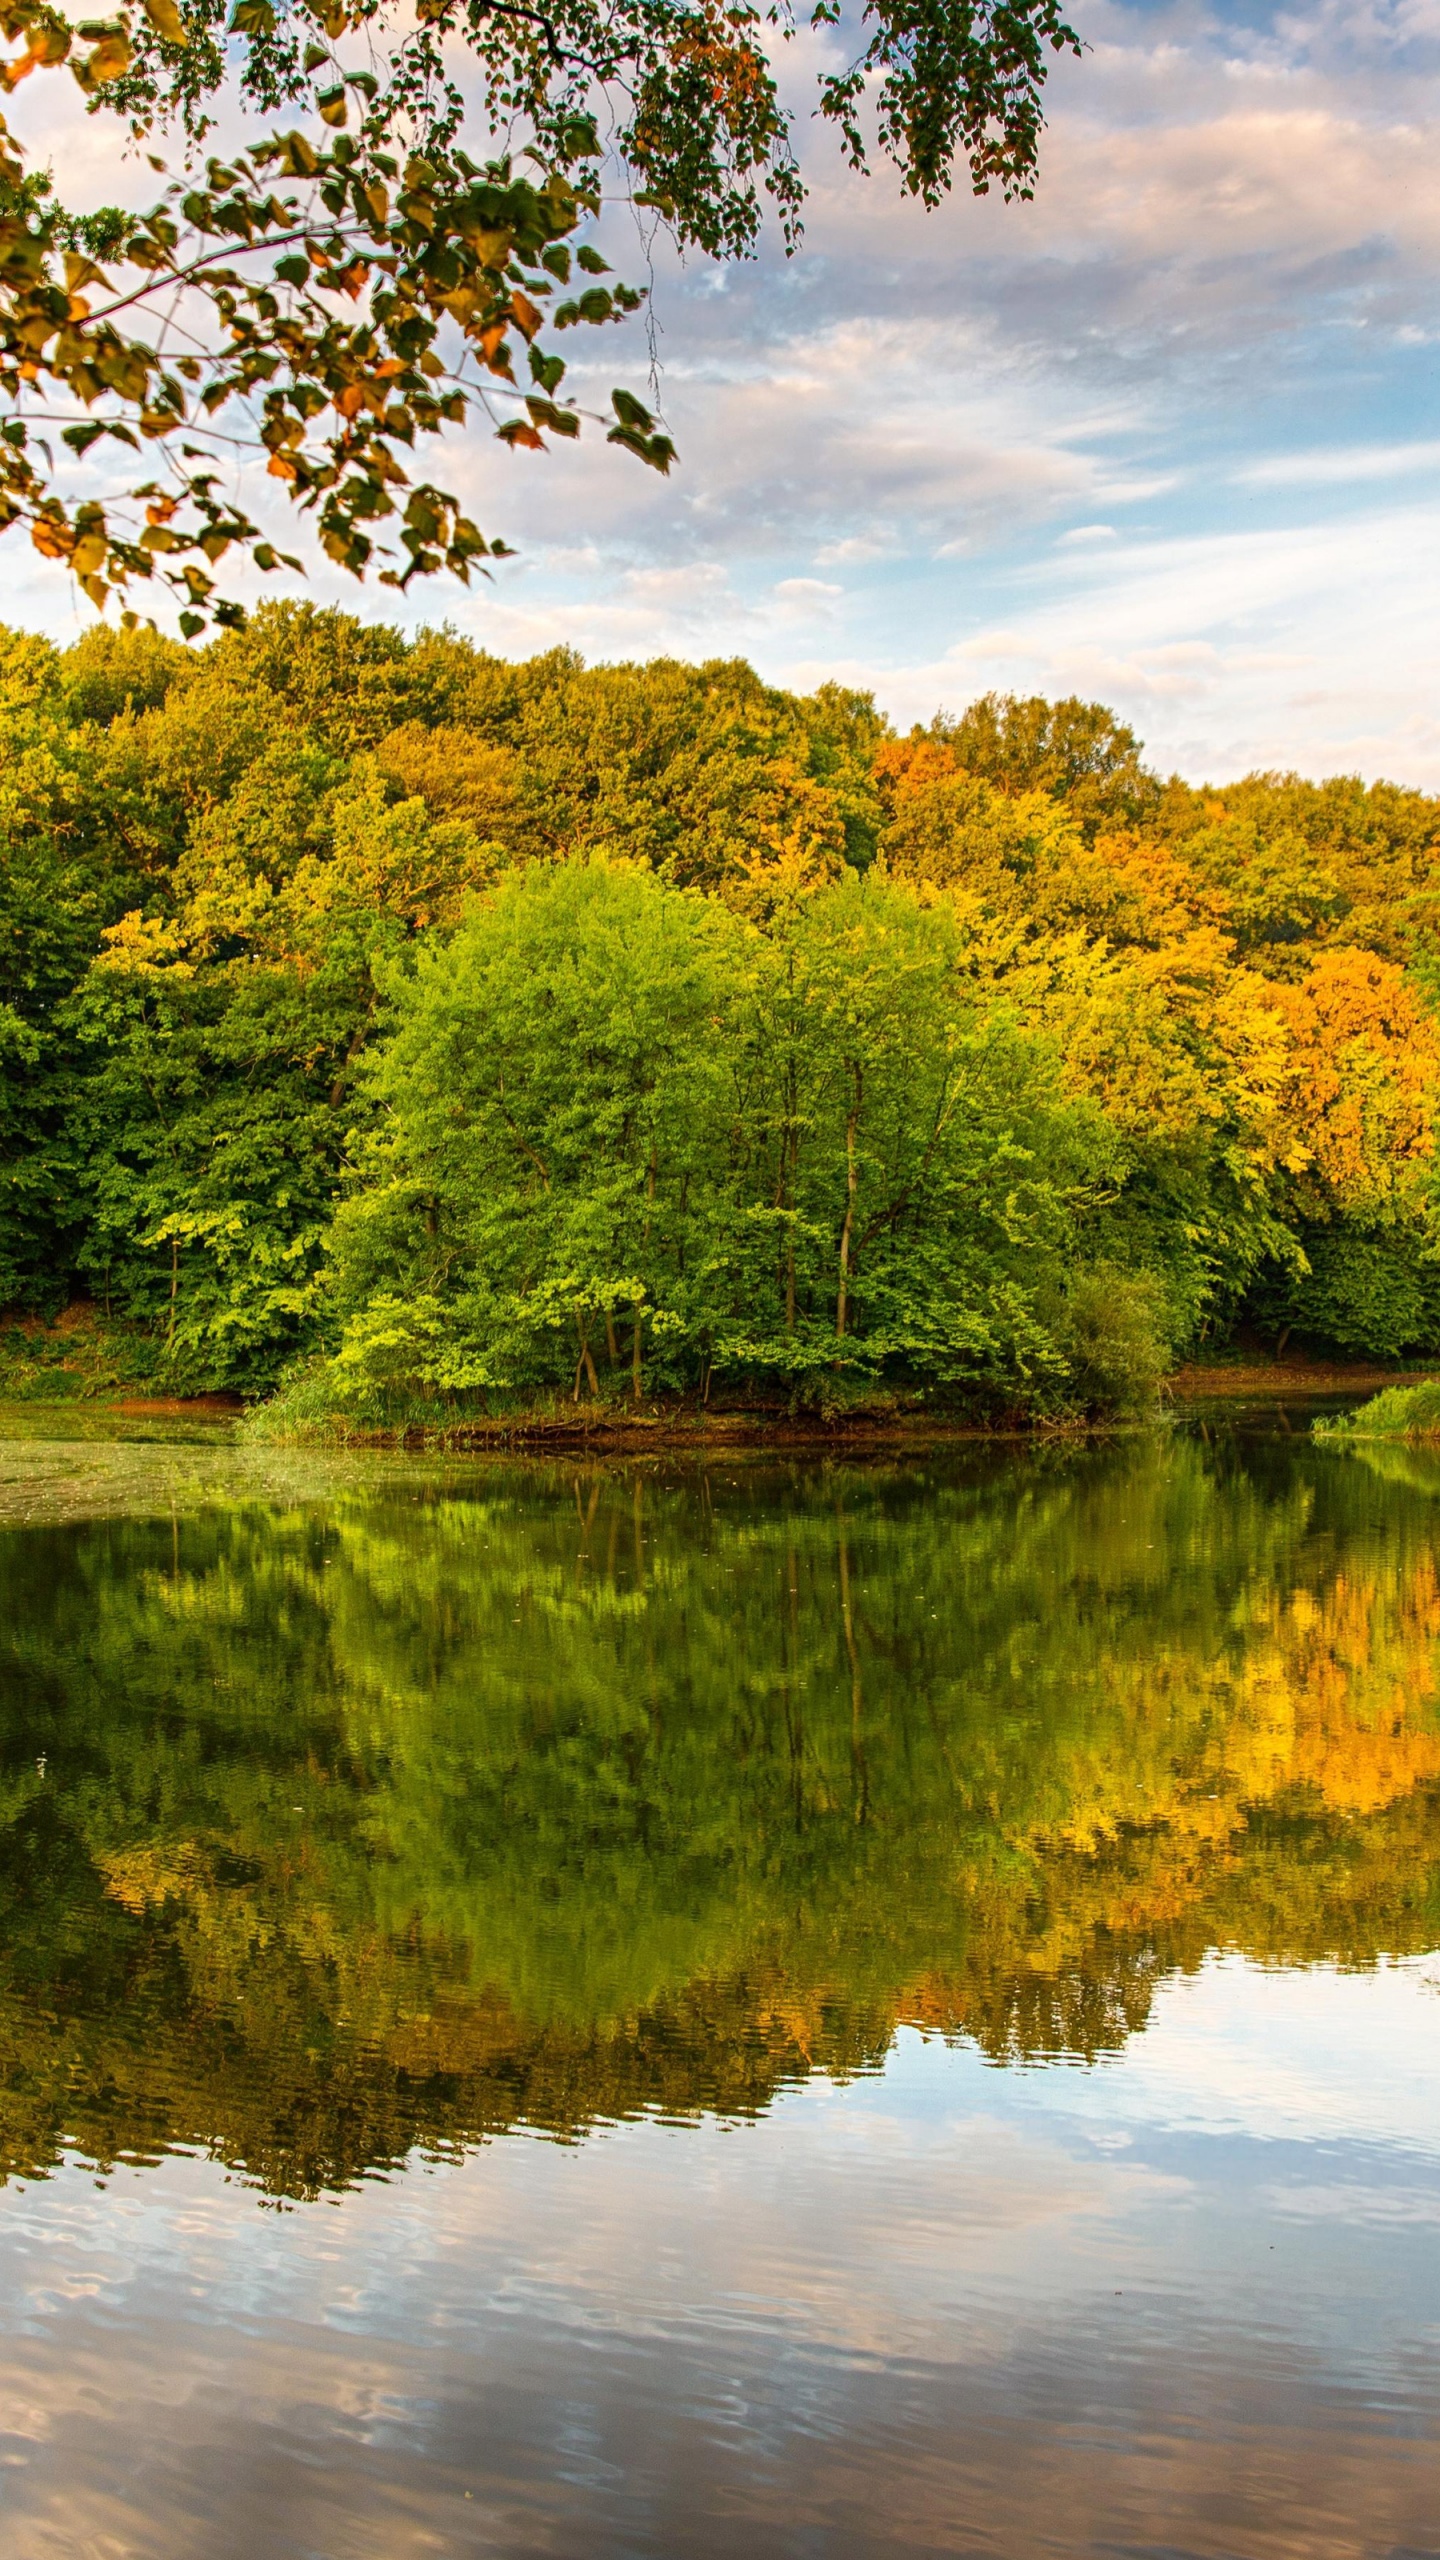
82, 1360
899, 1423
1249, 1373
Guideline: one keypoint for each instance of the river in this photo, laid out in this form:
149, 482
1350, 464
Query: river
797, 2008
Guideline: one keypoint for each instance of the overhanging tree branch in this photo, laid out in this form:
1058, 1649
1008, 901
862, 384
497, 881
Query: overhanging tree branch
372, 198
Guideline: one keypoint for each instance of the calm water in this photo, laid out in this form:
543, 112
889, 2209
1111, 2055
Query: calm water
789, 2010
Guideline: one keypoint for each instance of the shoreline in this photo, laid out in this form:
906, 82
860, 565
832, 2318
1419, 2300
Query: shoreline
1238, 1380
682, 1427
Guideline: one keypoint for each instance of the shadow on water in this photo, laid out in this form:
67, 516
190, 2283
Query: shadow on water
354, 1809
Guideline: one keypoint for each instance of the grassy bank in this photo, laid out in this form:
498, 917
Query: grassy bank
1405, 1413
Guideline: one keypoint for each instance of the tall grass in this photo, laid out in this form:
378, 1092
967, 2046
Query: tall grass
1397, 1413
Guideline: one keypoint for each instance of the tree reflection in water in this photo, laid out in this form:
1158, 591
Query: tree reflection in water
540, 1797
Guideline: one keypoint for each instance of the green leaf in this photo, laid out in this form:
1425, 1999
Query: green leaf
631, 412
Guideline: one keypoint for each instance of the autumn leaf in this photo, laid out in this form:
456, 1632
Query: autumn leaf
165, 18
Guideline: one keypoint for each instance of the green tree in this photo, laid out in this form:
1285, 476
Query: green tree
548, 1160
208, 1151
64, 877
608, 1105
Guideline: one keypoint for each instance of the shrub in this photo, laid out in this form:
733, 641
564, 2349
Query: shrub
1113, 1334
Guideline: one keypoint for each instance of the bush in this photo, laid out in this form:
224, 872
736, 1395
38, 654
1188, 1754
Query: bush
1113, 1333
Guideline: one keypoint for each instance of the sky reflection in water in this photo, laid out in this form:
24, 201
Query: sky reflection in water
969, 1925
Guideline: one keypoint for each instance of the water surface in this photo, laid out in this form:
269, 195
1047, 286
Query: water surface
804, 2009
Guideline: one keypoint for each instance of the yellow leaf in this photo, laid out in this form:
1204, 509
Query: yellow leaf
492, 248
165, 18
110, 59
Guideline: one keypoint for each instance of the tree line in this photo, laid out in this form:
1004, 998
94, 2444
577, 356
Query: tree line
427, 1031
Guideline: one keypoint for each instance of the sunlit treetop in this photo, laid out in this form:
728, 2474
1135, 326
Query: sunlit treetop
352, 280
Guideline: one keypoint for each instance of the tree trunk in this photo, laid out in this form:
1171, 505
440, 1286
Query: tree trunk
789, 1166
793, 1143
584, 1365
357, 1043
650, 1171
842, 1300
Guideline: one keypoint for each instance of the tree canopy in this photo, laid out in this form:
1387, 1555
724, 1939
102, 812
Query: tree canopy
349, 281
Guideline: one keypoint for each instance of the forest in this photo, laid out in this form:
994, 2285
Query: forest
406, 1031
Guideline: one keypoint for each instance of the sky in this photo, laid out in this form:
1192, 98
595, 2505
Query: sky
1168, 436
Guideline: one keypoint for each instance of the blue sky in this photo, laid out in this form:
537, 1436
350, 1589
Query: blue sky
1170, 435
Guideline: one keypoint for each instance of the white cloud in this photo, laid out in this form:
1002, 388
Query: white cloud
1335, 466
805, 605
1315, 646
854, 550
